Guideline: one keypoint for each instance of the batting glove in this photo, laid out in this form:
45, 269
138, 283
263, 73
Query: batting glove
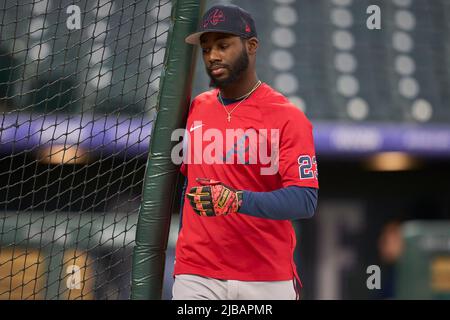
213, 198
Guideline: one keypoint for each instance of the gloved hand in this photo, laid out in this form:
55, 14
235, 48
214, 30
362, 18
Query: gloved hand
213, 198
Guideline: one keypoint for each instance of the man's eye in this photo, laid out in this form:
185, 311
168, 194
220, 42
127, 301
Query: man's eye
205, 50
223, 46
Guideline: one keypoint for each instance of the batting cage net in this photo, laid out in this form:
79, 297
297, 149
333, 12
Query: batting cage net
78, 90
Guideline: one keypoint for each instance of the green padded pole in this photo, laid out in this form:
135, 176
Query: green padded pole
161, 174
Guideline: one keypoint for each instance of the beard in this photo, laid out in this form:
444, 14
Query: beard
236, 71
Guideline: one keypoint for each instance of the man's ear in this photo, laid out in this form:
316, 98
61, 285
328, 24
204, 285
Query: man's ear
252, 45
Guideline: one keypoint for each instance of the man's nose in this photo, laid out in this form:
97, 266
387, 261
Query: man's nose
214, 56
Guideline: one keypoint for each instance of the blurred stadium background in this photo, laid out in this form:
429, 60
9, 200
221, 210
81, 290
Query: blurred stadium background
78, 107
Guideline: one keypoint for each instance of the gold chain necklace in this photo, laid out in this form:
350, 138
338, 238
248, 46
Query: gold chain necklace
244, 98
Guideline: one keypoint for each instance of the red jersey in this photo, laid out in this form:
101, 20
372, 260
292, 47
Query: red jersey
239, 246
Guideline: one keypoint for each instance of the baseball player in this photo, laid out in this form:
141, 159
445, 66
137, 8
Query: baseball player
236, 239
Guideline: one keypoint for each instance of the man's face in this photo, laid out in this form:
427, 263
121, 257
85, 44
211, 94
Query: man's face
225, 58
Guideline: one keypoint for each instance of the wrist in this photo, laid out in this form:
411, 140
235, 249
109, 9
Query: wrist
243, 197
239, 197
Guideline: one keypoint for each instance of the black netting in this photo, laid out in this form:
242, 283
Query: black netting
78, 90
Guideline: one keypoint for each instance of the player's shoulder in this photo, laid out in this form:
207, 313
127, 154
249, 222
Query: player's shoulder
205, 96
278, 107
203, 99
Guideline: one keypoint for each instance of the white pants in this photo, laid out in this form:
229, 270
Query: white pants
192, 287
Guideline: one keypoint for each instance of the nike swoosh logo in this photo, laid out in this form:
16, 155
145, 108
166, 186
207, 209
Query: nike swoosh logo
196, 127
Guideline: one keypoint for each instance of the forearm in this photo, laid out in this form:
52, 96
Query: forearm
290, 203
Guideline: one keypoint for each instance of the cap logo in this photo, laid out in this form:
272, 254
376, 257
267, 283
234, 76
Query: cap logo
214, 18
247, 28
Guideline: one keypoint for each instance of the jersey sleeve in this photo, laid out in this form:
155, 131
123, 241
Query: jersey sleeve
297, 158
